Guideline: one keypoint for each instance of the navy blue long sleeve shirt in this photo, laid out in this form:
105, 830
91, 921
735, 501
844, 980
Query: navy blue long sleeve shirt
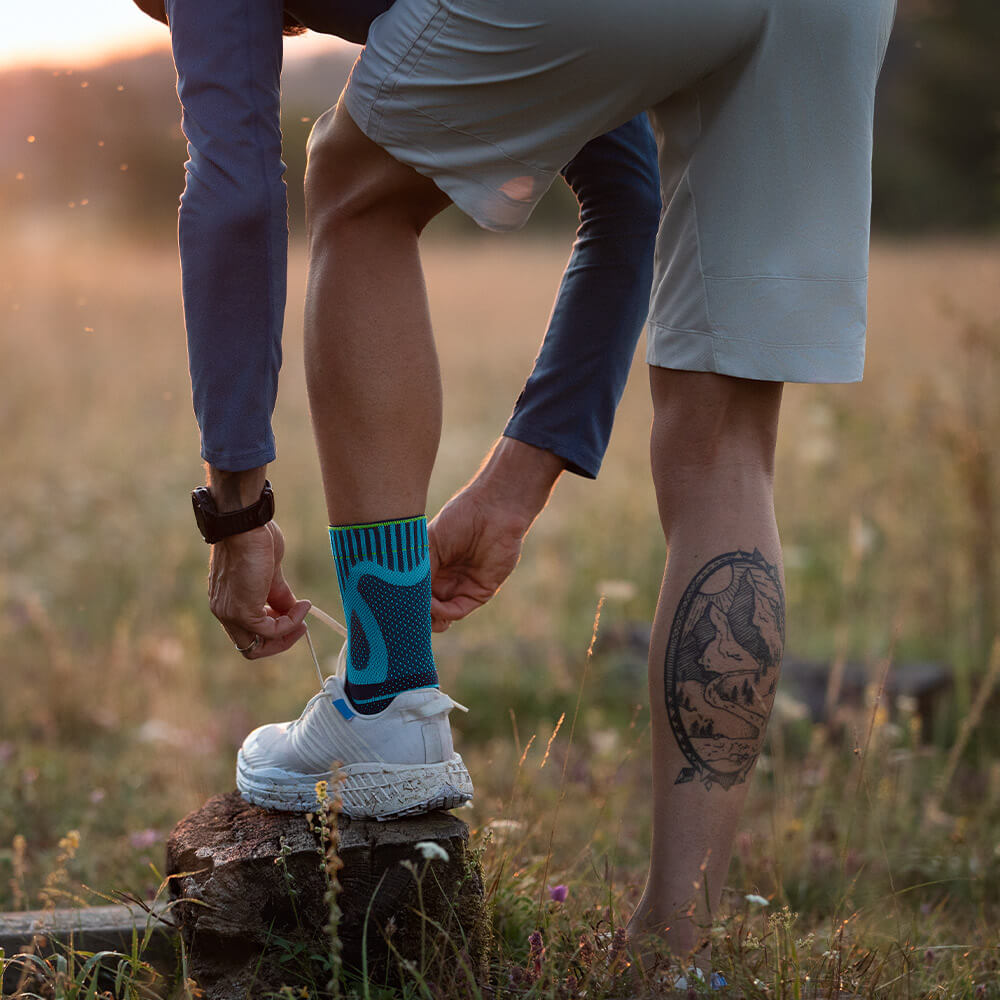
233, 234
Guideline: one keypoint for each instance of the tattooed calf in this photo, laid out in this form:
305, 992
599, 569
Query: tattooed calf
721, 666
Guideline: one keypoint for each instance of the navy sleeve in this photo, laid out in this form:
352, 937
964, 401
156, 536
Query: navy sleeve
568, 404
233, 228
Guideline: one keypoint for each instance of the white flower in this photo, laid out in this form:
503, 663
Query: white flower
750, 898
431, 851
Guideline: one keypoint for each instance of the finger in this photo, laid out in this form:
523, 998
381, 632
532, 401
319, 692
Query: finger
270, 647
271, 622
444, 586
299, 611
284, 623
245, 643
455, 609
280, 595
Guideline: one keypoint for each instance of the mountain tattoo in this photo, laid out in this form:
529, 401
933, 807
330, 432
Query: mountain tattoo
721, 666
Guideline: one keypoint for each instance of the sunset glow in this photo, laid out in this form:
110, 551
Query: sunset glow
61, 33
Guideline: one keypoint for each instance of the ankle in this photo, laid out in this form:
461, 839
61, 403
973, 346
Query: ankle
384, 575
660, 939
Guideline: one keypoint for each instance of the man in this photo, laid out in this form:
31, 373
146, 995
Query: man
763, 117
233, 240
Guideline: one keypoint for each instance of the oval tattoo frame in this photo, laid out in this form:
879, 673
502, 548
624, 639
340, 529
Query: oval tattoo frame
721, 666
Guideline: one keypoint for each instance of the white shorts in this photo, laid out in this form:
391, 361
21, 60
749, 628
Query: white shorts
763, 116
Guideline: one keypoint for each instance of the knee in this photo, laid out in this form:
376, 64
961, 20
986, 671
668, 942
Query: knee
351, 180
339, 184
711, 435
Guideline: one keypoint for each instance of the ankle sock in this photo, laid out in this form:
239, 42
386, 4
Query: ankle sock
384, 570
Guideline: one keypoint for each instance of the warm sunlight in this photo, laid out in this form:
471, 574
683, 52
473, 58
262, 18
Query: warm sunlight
56, 32
64, 32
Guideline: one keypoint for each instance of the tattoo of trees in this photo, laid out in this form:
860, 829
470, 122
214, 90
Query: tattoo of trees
721, 666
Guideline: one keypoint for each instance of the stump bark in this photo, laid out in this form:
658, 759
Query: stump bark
253, 907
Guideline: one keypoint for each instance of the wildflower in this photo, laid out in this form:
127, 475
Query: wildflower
536, 953
558, 893
431, 851
321, 787
752, 897
142, 839
616, 949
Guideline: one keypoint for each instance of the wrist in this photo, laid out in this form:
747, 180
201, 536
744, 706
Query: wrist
233, 491
519, 477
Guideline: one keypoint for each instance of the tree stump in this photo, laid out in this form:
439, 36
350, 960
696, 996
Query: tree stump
253, 911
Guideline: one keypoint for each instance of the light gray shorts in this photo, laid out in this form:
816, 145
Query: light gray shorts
763, 116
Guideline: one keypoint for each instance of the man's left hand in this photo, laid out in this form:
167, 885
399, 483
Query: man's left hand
247, 592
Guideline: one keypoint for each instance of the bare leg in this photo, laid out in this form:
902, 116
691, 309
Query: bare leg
371, 365
717, 637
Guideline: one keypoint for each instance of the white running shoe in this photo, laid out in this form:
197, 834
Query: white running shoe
399, 762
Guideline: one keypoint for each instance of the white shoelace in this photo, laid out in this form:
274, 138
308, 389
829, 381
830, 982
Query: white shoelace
332, 623
341, 668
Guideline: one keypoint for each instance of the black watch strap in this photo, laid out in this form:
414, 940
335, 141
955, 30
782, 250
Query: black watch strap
214, 525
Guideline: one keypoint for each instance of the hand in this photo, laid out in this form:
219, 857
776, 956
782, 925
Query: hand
474, 547
248, 593
476, 538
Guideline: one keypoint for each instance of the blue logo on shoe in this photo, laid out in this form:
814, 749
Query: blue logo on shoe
345, 710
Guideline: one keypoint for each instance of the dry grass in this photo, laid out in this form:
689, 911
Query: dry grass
121, 703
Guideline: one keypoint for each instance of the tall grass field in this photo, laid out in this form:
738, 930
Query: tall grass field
869, 855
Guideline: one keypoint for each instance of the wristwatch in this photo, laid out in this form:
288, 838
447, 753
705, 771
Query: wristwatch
214, 526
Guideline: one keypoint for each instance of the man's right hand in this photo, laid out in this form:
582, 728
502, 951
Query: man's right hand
474, 547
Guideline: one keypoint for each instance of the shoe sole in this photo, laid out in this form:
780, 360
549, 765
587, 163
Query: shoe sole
367, 791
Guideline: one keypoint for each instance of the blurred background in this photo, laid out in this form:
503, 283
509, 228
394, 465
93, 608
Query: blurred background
122, 703
935, 166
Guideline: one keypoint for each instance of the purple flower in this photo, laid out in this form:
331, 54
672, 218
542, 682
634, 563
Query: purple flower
143, 839
558, 893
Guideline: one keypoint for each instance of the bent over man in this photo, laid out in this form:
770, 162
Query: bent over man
763, 118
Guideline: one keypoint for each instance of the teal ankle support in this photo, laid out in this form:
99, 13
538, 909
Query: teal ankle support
384, 572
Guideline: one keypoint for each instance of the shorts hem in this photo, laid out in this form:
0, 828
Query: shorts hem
702, 351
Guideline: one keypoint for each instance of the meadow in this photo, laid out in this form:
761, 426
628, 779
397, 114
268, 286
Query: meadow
869, 855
